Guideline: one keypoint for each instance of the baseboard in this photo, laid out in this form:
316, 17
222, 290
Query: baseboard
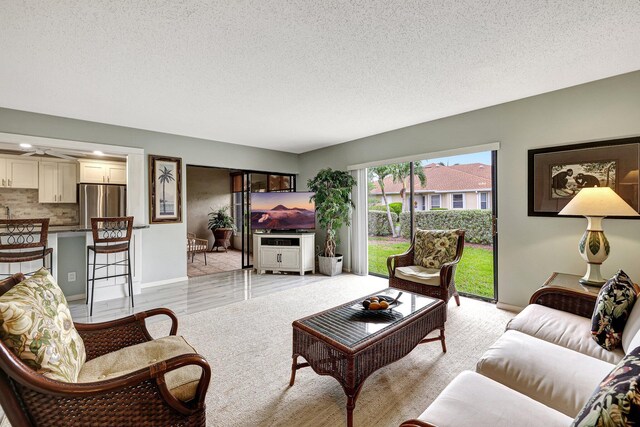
76, 297
509, 307
163, 282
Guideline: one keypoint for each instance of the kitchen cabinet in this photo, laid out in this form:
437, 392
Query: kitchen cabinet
102, 172
18, 173
57, 182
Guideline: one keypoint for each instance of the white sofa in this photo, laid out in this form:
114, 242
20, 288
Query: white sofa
540, 372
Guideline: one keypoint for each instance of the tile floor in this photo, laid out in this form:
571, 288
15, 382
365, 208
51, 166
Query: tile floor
217, 262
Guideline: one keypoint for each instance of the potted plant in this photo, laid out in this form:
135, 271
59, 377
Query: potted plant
333, 209
222, 226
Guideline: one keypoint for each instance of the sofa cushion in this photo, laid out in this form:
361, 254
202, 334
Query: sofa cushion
562, 328
631, 330
560, 378
37, 327
472, 399
182, 382
614, 303
432, 248
419, 274
616, 401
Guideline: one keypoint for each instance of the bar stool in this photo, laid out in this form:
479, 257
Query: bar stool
25, 240
111, 235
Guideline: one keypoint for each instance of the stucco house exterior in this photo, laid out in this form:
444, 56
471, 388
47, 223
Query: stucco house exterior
465, 186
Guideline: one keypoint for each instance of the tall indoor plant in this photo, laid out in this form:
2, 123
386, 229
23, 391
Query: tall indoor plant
332, 197
222, 226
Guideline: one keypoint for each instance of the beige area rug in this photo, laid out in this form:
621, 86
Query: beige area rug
248, 345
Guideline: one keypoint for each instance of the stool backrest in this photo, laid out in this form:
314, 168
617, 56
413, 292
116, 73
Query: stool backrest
24, 233
112, 229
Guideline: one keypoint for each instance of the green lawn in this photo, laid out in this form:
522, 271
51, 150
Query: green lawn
474, 274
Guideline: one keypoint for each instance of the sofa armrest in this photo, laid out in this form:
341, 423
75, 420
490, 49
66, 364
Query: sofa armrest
564, 299
401, 260
106, 337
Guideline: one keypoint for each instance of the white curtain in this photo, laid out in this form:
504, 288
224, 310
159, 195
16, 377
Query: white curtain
359, 225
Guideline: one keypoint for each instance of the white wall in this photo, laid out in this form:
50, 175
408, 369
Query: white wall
530, 248
164, 244
207, 188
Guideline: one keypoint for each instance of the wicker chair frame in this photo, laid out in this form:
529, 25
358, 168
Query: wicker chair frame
447, 288
140, 398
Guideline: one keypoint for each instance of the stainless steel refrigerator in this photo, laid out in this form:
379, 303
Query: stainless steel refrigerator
101, 200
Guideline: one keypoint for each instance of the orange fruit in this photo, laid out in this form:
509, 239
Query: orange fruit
374, 298
374, 306
384, 305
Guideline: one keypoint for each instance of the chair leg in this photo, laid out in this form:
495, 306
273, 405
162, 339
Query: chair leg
129, 276
86, 298
205, 257
93, 283
457, 297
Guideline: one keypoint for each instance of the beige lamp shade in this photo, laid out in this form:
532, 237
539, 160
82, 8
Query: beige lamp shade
598, 201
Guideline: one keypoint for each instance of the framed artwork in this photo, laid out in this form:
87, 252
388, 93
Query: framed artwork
557, 174
165, 189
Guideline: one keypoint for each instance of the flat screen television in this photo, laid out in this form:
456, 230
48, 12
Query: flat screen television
282, 211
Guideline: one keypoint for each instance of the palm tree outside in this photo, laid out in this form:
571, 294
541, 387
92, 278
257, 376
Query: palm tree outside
400, 173
380, 173
166, 175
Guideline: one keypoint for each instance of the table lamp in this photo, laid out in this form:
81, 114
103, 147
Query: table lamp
596, 203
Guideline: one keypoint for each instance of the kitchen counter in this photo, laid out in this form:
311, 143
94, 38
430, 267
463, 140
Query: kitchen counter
80, 229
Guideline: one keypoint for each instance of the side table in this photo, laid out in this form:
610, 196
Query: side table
563, 292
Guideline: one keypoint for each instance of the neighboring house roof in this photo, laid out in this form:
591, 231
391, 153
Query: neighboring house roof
471, 177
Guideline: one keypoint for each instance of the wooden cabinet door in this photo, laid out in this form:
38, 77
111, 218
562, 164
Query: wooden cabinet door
3, 173
289, 258
116, 173
67, 183
269, 257
48, 182
93, 173
22, 173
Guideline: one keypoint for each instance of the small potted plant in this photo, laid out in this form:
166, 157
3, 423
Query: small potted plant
222, 226
333, 209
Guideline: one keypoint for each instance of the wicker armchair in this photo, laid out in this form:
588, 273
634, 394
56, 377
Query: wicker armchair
440, 284
196, 245
138, 398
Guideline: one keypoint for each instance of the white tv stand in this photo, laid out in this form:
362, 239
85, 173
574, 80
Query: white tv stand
284, 252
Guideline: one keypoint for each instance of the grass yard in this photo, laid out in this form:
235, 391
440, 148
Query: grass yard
474, 274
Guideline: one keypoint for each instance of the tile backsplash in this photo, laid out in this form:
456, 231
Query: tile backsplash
23, 203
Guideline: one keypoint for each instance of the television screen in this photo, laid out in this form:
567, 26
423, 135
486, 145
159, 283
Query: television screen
282, 211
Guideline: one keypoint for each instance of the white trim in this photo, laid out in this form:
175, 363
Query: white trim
480, 193
491, 146
359, 232
163, 282
76, 297
40, 141
509, 307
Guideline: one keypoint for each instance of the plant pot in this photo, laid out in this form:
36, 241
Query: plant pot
330, 266
222, 238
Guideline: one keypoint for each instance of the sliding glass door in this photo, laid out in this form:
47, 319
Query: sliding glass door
443, 193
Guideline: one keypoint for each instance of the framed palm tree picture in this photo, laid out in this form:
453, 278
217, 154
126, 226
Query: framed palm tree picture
165, 189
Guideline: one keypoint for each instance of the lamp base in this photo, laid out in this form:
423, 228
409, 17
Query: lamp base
593, 276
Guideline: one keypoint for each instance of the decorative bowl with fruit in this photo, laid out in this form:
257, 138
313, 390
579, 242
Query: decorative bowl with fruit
380, 302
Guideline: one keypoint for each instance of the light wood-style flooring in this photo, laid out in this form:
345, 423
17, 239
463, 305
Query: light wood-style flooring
194, 295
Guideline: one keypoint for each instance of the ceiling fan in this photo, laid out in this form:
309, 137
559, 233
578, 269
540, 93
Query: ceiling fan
30, 151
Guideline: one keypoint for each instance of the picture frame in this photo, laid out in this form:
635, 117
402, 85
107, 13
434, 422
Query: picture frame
165, 189
557, 174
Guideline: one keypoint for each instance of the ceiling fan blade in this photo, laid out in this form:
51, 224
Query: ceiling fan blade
30, 153
60, 155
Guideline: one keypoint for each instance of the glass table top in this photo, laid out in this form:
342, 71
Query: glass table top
350, 324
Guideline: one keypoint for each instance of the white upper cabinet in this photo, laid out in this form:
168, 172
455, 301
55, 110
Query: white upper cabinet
58, 182
18, 173
102, 172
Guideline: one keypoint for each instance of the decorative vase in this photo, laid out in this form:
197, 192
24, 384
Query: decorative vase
330, 266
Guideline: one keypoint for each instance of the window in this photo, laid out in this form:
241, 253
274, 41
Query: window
435, 201
484, 200
457, 201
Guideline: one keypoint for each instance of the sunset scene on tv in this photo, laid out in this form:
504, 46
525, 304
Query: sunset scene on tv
282, 211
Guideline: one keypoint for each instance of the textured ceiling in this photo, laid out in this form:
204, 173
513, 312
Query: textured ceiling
298, 75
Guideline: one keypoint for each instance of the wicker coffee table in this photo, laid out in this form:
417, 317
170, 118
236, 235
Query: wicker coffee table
350, 344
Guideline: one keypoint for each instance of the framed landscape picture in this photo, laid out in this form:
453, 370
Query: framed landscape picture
557, 174
165, 189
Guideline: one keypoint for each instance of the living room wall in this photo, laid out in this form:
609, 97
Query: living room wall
529, 248
163, 244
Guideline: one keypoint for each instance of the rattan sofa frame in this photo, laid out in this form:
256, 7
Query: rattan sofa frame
447, 288
140, 398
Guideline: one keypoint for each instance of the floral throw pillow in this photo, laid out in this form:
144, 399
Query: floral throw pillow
432, 248
614, 303
35, 323
616, 401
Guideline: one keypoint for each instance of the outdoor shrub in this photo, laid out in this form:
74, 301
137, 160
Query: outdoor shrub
396, 207
379, 223
378, 208
475, 222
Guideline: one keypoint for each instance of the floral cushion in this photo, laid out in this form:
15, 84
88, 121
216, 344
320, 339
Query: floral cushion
616, 401
36, 325
614, 303
432, 248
